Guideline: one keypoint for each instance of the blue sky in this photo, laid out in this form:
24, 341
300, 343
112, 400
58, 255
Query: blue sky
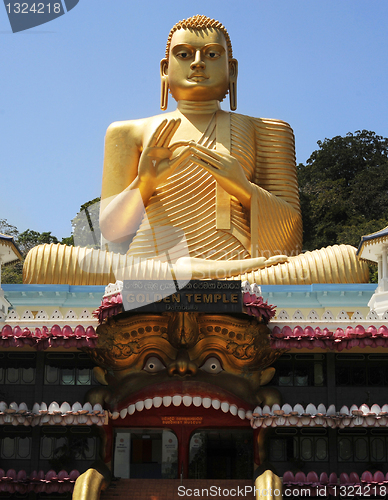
319, 65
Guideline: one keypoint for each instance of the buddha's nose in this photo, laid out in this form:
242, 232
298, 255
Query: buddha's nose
198, 62
182, 365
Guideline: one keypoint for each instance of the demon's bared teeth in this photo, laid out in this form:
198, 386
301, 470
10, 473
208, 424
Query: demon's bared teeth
167, 400
233, 410
177, 400
241, 413
187, 400
267, 411
225, 407
158, 401
197, 401
139, 405
206, 402
216, 404
257, 412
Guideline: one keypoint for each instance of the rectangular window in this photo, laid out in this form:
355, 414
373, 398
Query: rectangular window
16, 447
68, 369
18, 368
362, 446
308, 445
300, 370
361, 370
74, 443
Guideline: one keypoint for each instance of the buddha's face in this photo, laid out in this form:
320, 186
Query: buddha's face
198, 68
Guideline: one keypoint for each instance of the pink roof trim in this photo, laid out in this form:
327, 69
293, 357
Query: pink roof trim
43, 338
311, 338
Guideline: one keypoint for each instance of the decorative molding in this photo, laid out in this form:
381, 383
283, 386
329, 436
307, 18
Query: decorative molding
312, 338
282, 316
343, 316
327, 316
312, 416
298, 316
27, 315
38, 482
349, 486
13, 315
312, 315
40, 414
45, 337
56, 315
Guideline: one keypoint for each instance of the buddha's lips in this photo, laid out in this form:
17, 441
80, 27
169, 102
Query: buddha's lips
198, 77
185, 393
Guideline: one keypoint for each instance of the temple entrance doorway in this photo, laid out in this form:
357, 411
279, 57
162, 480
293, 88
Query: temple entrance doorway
145, 454
221, 454
162, 453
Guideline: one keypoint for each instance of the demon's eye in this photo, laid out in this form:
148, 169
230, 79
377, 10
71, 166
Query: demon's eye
212, 365
153, 365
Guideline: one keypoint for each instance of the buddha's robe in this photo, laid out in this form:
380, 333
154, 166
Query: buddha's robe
191, 215
215, 225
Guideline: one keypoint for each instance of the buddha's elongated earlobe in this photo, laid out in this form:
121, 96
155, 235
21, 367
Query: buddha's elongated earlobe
164, 84
233, 84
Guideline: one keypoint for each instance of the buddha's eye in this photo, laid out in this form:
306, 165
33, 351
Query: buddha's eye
212, 54
183, 55
153, 365
212, 365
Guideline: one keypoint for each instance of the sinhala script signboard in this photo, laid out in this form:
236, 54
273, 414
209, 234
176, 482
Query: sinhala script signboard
214, 296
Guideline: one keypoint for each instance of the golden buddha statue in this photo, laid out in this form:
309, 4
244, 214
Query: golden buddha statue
198, 192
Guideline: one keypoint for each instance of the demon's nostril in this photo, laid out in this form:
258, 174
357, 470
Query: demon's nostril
182, 369
182, 366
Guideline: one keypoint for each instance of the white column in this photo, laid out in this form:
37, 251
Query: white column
384, 259
383, 280
379, 271
122, 453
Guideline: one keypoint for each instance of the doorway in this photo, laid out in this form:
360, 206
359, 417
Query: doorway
221, 454
146, 454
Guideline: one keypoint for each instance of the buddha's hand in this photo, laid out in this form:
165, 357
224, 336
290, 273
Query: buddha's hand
155, 165
275, 259
224, 168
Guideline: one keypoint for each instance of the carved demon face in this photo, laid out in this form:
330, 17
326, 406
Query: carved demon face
144, 356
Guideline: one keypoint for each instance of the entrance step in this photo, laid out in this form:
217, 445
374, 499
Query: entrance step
167, 489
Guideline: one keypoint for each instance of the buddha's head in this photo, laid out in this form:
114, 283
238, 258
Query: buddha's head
199, 64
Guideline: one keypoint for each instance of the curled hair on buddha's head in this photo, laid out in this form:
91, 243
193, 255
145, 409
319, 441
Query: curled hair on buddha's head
199, 23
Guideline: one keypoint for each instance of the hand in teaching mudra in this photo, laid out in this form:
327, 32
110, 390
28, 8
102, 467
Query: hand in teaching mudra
155, 163
223, 167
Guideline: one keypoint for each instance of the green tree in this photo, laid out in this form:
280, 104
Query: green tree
344, 189
10, 273
13, 273
29, 239
8, 229
85, 229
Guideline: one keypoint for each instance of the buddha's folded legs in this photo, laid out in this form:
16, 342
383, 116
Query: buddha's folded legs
333, 264
60, 264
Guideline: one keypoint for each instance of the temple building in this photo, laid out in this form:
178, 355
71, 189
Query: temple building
330, 428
